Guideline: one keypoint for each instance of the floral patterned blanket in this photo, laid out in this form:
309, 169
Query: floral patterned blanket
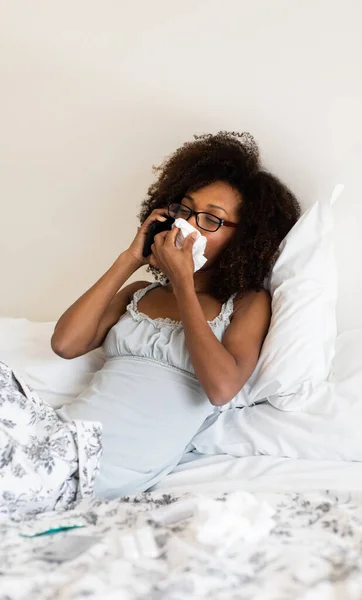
313, 550
44, 464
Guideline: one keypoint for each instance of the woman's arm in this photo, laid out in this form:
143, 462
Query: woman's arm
85, 324
223, 368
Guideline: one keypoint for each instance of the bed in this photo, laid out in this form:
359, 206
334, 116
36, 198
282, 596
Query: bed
303, 516
271, 519
312, 550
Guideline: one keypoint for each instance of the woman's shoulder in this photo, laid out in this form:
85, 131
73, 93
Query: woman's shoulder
135, 286
251, 301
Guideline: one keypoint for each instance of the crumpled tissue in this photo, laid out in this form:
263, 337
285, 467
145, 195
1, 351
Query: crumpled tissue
199, 245
240, 517
216, 525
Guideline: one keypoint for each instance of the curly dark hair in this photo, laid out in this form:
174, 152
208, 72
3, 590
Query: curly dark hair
268, 209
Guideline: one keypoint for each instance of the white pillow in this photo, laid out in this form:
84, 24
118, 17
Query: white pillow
25, 347
298, 350
327, 428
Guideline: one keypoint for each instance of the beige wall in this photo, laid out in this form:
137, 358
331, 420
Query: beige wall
93, 93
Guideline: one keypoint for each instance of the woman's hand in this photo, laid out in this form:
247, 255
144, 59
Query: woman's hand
176, 263
136, 248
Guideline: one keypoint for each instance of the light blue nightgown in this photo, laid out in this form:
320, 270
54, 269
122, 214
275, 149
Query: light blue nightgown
147, 398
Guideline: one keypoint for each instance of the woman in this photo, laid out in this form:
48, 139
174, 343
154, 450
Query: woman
181, 346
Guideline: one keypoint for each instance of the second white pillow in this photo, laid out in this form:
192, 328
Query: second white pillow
298, 351
328, 427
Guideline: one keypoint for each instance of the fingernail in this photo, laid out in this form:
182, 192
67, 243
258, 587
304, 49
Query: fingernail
162, 218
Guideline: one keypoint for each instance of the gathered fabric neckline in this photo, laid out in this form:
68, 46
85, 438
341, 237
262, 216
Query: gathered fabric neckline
223, 316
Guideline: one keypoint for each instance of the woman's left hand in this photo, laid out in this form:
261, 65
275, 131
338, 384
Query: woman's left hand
176, 263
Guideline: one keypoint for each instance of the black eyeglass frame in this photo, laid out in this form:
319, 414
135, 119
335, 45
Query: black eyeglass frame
197, 213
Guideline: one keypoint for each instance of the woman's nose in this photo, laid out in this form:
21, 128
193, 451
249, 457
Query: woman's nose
193, 222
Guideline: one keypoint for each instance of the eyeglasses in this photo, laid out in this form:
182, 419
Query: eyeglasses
204, 220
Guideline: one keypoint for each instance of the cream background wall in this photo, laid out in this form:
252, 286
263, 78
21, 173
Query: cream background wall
93, 93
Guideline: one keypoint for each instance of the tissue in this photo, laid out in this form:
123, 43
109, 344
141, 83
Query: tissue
215, 526
199, 244
240, 517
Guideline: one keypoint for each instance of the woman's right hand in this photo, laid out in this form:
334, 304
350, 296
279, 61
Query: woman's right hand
136, 248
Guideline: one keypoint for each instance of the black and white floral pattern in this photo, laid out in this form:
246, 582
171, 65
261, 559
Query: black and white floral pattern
314, 550
45, 464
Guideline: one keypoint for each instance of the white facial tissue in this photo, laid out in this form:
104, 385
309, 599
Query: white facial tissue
199, 244
213, 528
240, 517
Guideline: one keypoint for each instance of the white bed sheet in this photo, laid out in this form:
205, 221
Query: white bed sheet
222, 473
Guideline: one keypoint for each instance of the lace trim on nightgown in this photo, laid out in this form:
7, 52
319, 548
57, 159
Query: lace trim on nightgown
223, 316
